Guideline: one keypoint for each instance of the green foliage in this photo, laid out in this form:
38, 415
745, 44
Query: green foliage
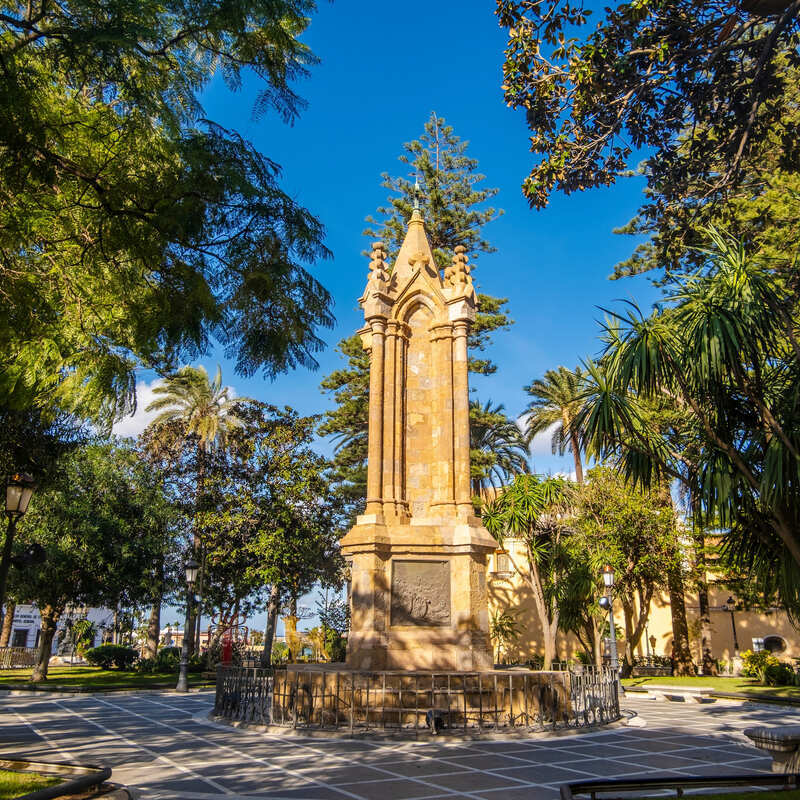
504, 632
82, 633
134, 231
720, 356
498, 450
453, 206
538, 512
755, 664
697, 85
101, 523
280, 653
556, 402
780, 675
112, 655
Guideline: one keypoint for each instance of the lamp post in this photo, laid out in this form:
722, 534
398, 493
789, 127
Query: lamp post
608, 580
191, 576
730, 605
19, 490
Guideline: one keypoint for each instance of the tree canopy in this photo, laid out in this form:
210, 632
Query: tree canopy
705, 92
133, 231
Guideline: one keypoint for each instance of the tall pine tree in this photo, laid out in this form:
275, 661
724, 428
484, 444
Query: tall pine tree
453, 206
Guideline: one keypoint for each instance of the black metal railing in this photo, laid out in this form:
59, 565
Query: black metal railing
336, 699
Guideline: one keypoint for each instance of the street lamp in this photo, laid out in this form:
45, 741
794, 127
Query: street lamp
19, 490
608, 580
730, 605
191, 568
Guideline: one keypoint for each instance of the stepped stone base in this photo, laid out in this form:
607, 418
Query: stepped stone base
418, 594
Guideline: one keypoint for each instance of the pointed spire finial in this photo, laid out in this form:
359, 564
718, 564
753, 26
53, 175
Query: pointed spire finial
416, 191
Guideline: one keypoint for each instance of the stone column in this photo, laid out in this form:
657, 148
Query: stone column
401, 503
375, 460
389, 418
461, 419
444, 497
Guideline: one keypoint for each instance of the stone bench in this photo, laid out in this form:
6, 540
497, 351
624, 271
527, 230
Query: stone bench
698, 694
782, 742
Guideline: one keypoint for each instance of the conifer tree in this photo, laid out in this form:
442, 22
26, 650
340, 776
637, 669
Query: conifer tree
453, 205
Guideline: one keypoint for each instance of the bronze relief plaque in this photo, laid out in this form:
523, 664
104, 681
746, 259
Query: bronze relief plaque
421, 593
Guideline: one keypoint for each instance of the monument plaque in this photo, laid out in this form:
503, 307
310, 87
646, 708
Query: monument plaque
421, 593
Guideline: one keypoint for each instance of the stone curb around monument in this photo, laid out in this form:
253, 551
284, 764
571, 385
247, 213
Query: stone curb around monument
85, 776
418, 734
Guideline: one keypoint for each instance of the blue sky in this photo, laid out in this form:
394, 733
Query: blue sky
384, 67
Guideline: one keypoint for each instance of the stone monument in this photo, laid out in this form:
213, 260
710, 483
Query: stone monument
418, 554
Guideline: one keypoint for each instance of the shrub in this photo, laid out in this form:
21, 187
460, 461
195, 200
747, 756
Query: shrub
112, 655
779, 675
168, 659
754, 665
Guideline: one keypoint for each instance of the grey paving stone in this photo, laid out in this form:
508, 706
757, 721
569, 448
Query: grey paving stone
487, 761
472, 781
391, 790
658, 761
545, 773
523, 793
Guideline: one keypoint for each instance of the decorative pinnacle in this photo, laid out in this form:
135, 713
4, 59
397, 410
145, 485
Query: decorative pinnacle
416, 193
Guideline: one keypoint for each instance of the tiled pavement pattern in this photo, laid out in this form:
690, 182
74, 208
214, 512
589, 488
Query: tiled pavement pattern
159, 745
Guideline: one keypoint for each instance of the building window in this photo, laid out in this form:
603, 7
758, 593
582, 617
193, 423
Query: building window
502, 563
20, 637
775, 644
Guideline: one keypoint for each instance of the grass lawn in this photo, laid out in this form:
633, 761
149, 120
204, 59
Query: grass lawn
96, 678
744, 685
15, 784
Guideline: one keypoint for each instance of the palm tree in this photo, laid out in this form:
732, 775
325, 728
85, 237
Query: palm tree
498, 448
204, 407
557, 401
206, 412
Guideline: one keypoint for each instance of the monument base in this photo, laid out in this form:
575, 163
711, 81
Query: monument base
418, 594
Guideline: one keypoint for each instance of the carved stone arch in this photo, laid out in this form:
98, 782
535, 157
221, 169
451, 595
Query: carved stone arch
407, 305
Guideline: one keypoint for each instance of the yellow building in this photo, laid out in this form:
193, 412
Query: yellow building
733, 629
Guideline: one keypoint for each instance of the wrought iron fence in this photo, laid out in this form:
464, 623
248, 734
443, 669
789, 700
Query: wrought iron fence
334, 699
17, 657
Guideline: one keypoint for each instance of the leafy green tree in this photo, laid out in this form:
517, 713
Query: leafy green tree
498, 450
504, 632
535, 510
205, 414
762, 209
132, 230
695, 85
96, 525
723, 350
556, 404
636, 533
453, 205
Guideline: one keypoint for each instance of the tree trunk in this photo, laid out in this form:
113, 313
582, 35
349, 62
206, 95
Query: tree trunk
681, 651
272, 620
630, 654
153, 629
701, 584
49, 618
8, 622
550, 632
576, 455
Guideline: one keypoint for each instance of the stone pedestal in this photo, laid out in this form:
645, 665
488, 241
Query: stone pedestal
419, 596
418, 555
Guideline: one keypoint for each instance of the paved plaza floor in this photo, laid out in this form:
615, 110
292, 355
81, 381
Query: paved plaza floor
160, 746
